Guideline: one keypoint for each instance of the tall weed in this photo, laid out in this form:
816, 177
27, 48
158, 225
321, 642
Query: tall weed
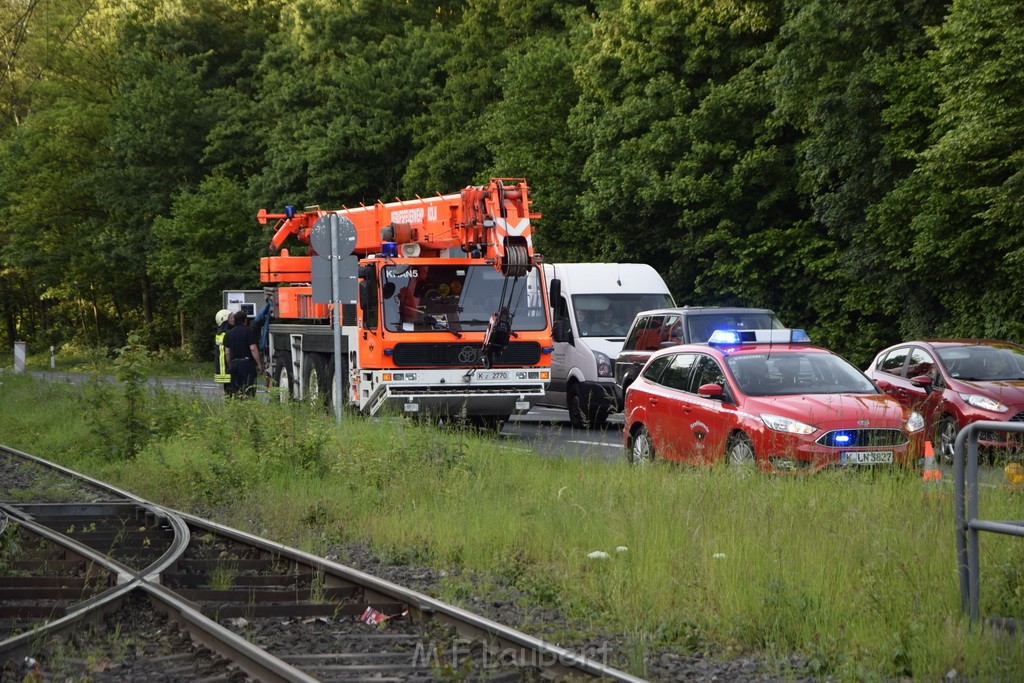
855, 574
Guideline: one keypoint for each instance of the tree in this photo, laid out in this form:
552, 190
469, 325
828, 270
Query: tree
530, 138
966, 216
340, 90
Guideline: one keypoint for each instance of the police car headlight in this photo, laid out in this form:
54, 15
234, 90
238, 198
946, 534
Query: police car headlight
785, 424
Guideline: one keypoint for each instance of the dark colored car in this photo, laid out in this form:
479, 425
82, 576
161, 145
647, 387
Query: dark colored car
954, 382
656, 329
765, 397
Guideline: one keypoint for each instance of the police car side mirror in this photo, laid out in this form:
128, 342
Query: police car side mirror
713, 391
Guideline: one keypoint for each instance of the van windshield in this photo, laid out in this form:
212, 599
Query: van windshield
610, 315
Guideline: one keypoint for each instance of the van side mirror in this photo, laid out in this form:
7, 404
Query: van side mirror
561, 331
555, 291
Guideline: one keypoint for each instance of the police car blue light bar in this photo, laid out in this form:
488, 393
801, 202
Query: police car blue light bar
737, 337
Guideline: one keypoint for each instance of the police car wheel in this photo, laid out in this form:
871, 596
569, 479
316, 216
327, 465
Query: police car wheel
641, 448
740, 451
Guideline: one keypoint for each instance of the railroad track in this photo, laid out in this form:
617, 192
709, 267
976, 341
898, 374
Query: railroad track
169, 596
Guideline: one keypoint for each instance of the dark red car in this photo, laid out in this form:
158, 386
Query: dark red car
766, 397
954, 382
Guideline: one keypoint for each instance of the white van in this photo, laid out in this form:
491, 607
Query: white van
593, 306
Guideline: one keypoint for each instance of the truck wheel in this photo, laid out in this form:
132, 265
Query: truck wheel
283, 377
584, 416
318, 378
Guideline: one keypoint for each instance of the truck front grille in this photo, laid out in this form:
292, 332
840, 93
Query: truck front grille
462, 354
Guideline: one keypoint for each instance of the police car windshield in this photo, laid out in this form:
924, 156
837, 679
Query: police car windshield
789, 373
445, 298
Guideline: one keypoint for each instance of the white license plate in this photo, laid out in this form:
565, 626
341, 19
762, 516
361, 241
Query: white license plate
865, 457
492, 374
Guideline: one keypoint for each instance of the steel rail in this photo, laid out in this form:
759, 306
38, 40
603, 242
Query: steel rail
100, 604
524, 649
531, 651
252, 659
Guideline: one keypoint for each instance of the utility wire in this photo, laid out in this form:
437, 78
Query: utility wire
57, 49
49, 59
18, 22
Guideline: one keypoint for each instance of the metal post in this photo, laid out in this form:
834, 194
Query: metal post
336, 301
972, 514
960, 516
53, 357
19, 356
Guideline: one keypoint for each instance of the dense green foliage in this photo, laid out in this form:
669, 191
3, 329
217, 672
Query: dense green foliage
852, 573
855, 165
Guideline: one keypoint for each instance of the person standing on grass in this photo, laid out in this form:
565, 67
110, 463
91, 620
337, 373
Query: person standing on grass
225, 321
243, 357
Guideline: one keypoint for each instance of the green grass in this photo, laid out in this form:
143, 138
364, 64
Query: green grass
855, 572
100, 361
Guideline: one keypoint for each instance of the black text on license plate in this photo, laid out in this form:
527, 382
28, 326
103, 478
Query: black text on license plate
865, 457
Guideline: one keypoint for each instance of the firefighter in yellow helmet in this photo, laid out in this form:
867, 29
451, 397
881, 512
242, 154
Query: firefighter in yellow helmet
225, 321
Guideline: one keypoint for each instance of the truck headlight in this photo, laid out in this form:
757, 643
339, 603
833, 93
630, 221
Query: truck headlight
604, 364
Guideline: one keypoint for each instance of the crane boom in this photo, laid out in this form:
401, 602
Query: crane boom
459, 338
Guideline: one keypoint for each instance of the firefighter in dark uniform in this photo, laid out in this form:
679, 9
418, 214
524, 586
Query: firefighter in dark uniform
243, 355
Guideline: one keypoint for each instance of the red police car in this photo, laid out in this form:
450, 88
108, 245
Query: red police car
954, 382
765, 397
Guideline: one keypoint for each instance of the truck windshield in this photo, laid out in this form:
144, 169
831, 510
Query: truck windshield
459, 298
610, 315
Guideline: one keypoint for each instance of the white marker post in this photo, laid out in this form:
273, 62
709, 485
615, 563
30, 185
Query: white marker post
19, 357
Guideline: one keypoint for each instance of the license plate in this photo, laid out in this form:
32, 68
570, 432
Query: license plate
865, 457
492, 375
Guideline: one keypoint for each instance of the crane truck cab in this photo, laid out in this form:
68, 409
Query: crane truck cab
433, 306
593, 305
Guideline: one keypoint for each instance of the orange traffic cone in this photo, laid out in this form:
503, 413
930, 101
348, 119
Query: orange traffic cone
931, 471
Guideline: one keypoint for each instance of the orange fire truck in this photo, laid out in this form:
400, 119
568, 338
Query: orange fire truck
449, 312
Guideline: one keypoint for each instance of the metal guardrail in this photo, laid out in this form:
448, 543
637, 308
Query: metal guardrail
965, 490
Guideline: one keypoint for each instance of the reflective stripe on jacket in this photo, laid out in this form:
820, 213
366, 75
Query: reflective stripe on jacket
221, 376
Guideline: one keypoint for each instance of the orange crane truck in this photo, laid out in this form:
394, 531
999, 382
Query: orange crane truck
449, 314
